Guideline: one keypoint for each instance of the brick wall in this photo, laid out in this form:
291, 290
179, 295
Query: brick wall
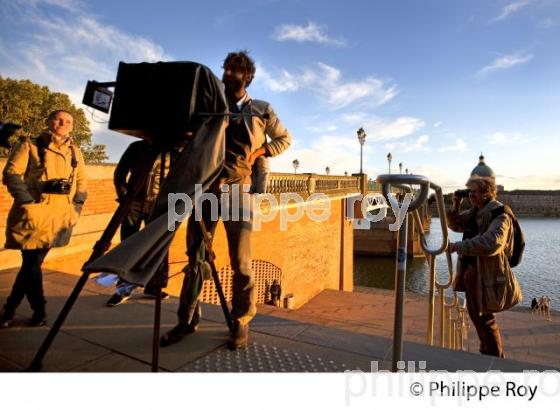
312, 256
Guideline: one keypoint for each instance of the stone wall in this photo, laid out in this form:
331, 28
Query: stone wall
311, 255
532, 202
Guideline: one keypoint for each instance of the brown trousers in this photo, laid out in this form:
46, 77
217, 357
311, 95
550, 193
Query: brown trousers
486, 324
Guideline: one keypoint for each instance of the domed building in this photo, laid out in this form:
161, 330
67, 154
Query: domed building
523, 202
482, 170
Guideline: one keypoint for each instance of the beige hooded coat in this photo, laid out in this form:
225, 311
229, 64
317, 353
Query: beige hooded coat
37, 219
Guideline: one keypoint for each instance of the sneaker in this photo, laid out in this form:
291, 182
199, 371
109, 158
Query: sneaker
38, 320
6, 318
117, 299
151, 293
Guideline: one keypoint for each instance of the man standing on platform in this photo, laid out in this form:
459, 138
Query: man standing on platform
245, 143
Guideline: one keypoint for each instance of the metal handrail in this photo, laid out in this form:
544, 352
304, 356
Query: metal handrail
400, 181
444, 308
456, 326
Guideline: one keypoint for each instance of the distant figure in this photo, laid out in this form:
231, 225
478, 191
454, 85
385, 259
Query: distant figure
275, 292
534, 305
541, 307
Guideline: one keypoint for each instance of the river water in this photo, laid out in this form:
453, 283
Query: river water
538, 274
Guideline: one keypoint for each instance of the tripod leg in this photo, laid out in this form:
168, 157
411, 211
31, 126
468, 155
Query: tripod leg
208, 243
157, 324
99, 249
36, 363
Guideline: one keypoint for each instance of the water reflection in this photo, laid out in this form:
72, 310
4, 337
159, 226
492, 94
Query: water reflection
537, 274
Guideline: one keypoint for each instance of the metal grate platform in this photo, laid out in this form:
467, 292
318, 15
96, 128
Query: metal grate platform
258, 357
264, 274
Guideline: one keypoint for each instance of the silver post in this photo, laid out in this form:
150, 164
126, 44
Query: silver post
400, 280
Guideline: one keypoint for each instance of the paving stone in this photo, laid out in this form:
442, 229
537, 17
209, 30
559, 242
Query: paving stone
19, 346
113, 362
371, 346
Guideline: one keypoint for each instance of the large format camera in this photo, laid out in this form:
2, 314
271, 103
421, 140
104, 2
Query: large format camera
60, 186
154, 100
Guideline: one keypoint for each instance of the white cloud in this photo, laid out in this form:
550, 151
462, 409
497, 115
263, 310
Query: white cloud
500, 138
381, 129
547, 23
510, 9
326, 82
312, 33
340, 152
282, 81
459, 146
540, 181
416, 145
437, 124
505, 62
322, 128
65, 46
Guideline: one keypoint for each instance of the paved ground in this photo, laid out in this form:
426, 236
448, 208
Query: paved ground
526, 337
317, 338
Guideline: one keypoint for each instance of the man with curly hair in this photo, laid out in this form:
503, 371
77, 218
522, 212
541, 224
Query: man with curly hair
246, 146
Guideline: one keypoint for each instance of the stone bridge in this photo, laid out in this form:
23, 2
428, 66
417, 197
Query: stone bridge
307, 257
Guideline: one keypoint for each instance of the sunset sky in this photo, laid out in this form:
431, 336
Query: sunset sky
432, 82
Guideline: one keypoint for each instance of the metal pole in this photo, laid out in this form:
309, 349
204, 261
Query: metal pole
441, 317
100, 247
155, 338
432, 297
361, 157
400, 279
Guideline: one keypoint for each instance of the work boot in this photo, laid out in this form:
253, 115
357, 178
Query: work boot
6, 318
239, 336
181, 330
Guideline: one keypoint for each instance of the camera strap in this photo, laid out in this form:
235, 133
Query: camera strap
42, 149
73, 163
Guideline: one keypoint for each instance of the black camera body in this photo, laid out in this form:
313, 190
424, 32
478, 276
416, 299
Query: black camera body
60, 186
462, 193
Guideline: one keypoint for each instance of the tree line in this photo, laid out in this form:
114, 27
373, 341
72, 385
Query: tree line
28, 104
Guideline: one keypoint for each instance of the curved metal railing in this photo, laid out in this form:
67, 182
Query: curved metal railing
452, 316
453, 319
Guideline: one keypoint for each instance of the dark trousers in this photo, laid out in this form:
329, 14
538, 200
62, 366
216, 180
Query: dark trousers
29, 282
239, 245
486, 325
129, 226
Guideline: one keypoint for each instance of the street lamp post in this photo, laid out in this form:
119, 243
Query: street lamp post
295, 164
400, 167
327, 170
389, 158
362, 139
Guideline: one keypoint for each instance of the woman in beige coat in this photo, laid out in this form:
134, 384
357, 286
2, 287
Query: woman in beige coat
46, 178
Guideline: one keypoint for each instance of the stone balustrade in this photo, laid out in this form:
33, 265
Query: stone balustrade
312, 183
